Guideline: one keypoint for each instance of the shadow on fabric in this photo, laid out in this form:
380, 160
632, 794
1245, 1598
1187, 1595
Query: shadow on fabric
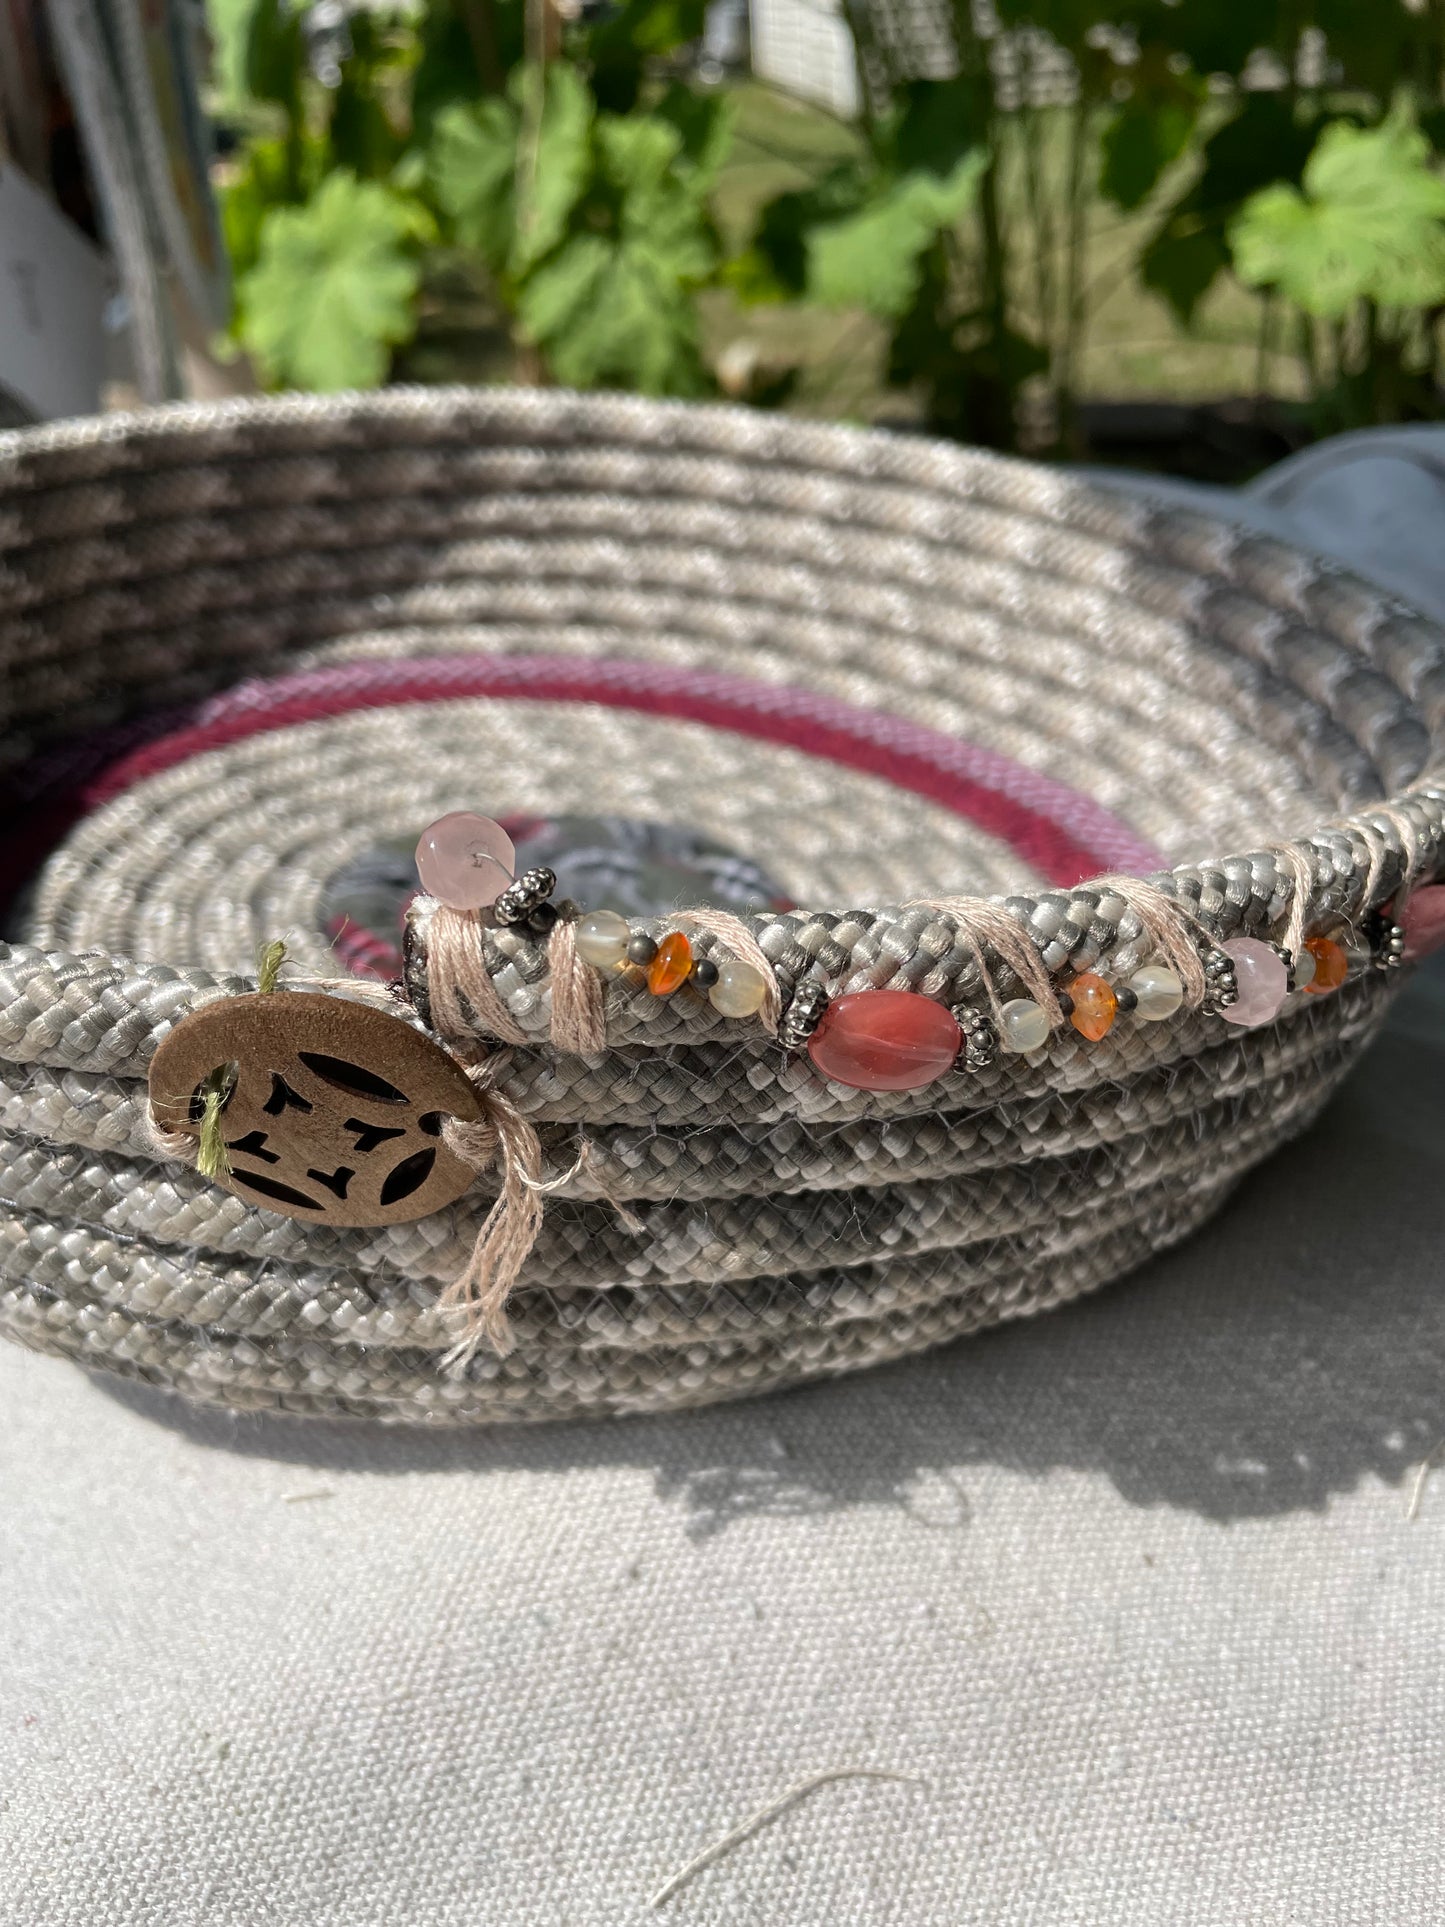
1294, 1347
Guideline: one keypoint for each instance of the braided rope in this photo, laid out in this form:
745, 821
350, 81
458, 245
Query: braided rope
711, 1217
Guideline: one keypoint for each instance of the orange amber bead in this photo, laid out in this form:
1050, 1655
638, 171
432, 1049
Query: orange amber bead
1095, 1006
1332, 966
670, 968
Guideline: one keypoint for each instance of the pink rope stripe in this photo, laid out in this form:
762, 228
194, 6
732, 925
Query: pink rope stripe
1064, 835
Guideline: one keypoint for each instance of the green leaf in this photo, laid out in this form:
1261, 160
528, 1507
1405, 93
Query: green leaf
561, 289
472, 164
276, 56
1181, 266
260, 183
1263, 143
362, 138
620, 45
449, 70
616, 308
564, 161
334, 288
872, 259
706, 123
228, 25
1369, 223
608, 314
937, 125
1145, 137
775, 267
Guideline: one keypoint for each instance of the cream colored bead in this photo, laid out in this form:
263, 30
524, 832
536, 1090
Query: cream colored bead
1024, 1026
1303, 969
602, 940
739, 990
1158, 990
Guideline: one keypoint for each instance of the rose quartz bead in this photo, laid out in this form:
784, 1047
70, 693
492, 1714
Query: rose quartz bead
465, 861
1424, 921
885, 1040
1263, 983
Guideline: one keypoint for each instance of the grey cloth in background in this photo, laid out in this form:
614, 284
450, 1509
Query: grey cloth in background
1130, 1589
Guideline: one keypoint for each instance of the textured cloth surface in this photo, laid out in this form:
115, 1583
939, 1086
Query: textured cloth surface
1131, 1590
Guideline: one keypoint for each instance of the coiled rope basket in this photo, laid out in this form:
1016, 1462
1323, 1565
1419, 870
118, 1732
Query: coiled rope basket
926, 693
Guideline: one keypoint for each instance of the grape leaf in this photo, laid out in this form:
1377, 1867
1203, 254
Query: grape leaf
615, 308
334, 287
1146, 136
872, 258
472, 161
1367, 221
563, 162
1264, 142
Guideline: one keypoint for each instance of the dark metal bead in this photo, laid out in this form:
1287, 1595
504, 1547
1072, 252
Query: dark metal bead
642, 949
980, 1038
521, 900
1223, 985
1386, 939
1065, 1003
1286, 957
703, 973
1126, 998
543, 920
803, 1014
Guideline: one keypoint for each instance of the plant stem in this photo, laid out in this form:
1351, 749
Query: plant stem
1068, 357
480, 21
1040, 220
1001, 424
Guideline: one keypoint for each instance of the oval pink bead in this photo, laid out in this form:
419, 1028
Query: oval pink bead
465, 861
1263, 983
885, 1040
1424, 921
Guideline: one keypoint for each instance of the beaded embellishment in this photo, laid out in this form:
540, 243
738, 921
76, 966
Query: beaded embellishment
898, 1039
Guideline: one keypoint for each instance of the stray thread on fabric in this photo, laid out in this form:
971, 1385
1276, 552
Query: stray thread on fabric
579, 1011
1298, 864
986, 927
501, 1136
735, 934
745, 1829
464, 1000
1173, 932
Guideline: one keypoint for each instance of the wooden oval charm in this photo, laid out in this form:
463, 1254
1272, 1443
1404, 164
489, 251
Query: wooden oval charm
335, 1109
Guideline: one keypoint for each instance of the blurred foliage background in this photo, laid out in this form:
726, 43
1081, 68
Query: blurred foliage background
1238, 202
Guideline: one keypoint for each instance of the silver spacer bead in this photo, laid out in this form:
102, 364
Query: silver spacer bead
803, 1014
521, 900
1286, 957
1221, 984
1386, 939
980, 1050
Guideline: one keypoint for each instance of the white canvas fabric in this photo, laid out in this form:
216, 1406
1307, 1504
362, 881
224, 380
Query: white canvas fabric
1129, 1590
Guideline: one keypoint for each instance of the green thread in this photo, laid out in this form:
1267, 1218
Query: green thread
211, 1158
269, 959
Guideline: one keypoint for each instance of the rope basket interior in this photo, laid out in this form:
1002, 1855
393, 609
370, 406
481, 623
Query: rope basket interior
906, 700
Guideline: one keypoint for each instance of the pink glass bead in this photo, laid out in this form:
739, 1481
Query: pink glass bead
885, 1040
465, 861
1424, 921
1263, 983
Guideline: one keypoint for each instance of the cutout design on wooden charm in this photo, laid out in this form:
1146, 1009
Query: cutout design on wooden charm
334, 1110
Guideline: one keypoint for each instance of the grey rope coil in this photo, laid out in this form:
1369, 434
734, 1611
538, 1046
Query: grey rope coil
737, 1222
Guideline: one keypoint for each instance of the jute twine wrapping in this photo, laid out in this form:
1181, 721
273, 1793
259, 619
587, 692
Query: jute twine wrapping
702, 1216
